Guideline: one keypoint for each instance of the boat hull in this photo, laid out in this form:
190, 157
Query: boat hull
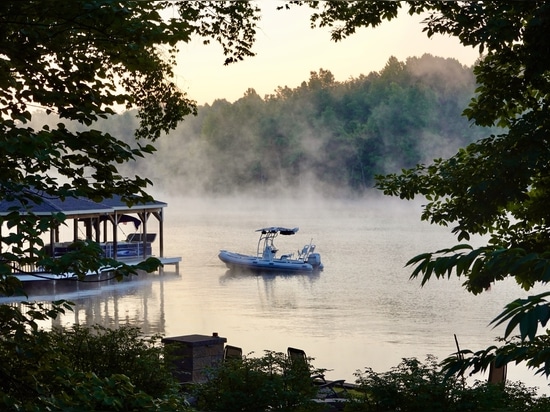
252, 263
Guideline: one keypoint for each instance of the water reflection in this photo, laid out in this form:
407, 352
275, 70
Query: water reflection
267, 276
276, 292
138, 301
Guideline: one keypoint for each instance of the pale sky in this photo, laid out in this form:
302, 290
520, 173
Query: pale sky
287, 50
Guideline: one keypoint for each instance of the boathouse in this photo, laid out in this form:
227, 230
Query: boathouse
99, 221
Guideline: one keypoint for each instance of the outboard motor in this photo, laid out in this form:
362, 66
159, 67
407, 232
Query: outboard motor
314, 260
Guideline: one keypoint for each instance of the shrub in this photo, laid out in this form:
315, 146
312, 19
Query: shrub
413, 386
78, 391
85, 368
257, 384
107, 352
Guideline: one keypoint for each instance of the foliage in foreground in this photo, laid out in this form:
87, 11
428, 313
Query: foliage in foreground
413, 386
271, 382
94, 368
85, 368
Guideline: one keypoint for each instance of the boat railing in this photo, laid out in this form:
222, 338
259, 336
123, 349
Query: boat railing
266, 249
24, 268
306, 251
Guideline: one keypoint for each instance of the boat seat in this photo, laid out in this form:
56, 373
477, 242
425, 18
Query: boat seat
325, 389
140, 237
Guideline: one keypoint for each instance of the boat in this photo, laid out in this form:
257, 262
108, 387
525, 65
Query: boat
266, 260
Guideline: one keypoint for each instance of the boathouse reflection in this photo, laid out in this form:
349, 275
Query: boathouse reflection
138, 301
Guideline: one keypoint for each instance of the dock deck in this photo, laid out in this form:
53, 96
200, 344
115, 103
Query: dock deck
166, 261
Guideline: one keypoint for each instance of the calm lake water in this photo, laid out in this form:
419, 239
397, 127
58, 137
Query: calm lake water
361, 311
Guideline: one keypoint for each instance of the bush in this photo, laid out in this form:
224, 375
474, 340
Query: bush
85, 368
78, 391
94, 368
257, 384
410, 387
413, 386
122, 351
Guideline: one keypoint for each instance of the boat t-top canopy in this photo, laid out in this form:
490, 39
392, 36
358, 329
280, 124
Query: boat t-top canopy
278, 229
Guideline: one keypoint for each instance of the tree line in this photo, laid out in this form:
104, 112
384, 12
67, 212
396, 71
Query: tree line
334, 136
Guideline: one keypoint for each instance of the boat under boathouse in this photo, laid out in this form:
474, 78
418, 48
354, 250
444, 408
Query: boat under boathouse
100, 222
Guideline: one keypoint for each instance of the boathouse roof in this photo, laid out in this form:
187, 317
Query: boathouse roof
71, 206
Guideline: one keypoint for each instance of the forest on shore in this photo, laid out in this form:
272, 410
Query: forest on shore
324, 136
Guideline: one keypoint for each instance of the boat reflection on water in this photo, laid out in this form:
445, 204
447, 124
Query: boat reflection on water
270, 291
237, 274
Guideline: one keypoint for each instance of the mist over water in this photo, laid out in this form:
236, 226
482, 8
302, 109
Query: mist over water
361, 311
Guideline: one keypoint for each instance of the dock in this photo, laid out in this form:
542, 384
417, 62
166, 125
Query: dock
98, 222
